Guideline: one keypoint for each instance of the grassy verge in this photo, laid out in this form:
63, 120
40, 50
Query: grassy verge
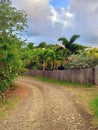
64, 83
94, 106
11, 101
8, 105
88, 97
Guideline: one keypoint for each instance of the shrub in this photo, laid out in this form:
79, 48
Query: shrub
81, 61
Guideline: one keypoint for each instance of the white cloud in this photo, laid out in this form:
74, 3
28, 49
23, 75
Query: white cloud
54, 17
37, 10
86, 18
61, 16
48, 22
70, 15
43, 18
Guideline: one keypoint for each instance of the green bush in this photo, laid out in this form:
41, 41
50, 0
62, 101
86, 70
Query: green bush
10, 64
80, 62
12, 21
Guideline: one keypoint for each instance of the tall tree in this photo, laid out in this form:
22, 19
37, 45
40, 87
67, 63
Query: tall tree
12, 21
30, 45
42, 45
70, 45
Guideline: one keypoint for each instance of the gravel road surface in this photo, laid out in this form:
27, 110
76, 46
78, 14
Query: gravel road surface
47, 107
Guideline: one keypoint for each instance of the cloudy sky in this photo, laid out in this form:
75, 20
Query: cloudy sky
50, 19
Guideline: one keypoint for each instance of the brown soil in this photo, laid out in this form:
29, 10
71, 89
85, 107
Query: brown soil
46, 107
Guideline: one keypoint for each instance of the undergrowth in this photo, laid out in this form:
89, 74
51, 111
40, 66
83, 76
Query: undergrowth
8, 105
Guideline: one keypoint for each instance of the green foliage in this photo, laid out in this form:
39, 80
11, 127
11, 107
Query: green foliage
8, 105
48, 56
42, 45
64, 83
81, 61
10, 64
11, 19
11, 22
70, 45
64, 41
73, 38
43, 58
30, 45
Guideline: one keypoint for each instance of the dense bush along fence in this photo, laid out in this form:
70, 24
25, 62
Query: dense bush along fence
85, 76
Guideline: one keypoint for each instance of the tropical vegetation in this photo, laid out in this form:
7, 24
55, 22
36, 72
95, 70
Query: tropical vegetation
12, 21
53, 57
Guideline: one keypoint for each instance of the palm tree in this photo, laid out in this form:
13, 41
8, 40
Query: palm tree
44, 57
70, 45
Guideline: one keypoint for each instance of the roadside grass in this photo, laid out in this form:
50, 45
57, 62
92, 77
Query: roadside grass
64, 82
86, 95
9, 104
94, 106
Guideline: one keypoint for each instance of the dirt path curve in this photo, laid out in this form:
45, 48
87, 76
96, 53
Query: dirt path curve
46, 107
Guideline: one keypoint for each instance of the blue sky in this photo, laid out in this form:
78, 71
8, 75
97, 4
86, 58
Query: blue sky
49, 20
59, 3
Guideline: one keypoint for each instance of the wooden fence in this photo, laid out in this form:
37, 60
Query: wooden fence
96, 75
85, 76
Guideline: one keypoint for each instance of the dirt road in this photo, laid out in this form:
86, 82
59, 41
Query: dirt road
47, 107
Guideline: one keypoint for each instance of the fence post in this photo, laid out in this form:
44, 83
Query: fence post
96, 75
93, 75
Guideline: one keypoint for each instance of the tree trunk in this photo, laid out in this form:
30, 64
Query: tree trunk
44, 66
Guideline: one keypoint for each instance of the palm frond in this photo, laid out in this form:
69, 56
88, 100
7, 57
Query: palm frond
64, 40
73, 38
